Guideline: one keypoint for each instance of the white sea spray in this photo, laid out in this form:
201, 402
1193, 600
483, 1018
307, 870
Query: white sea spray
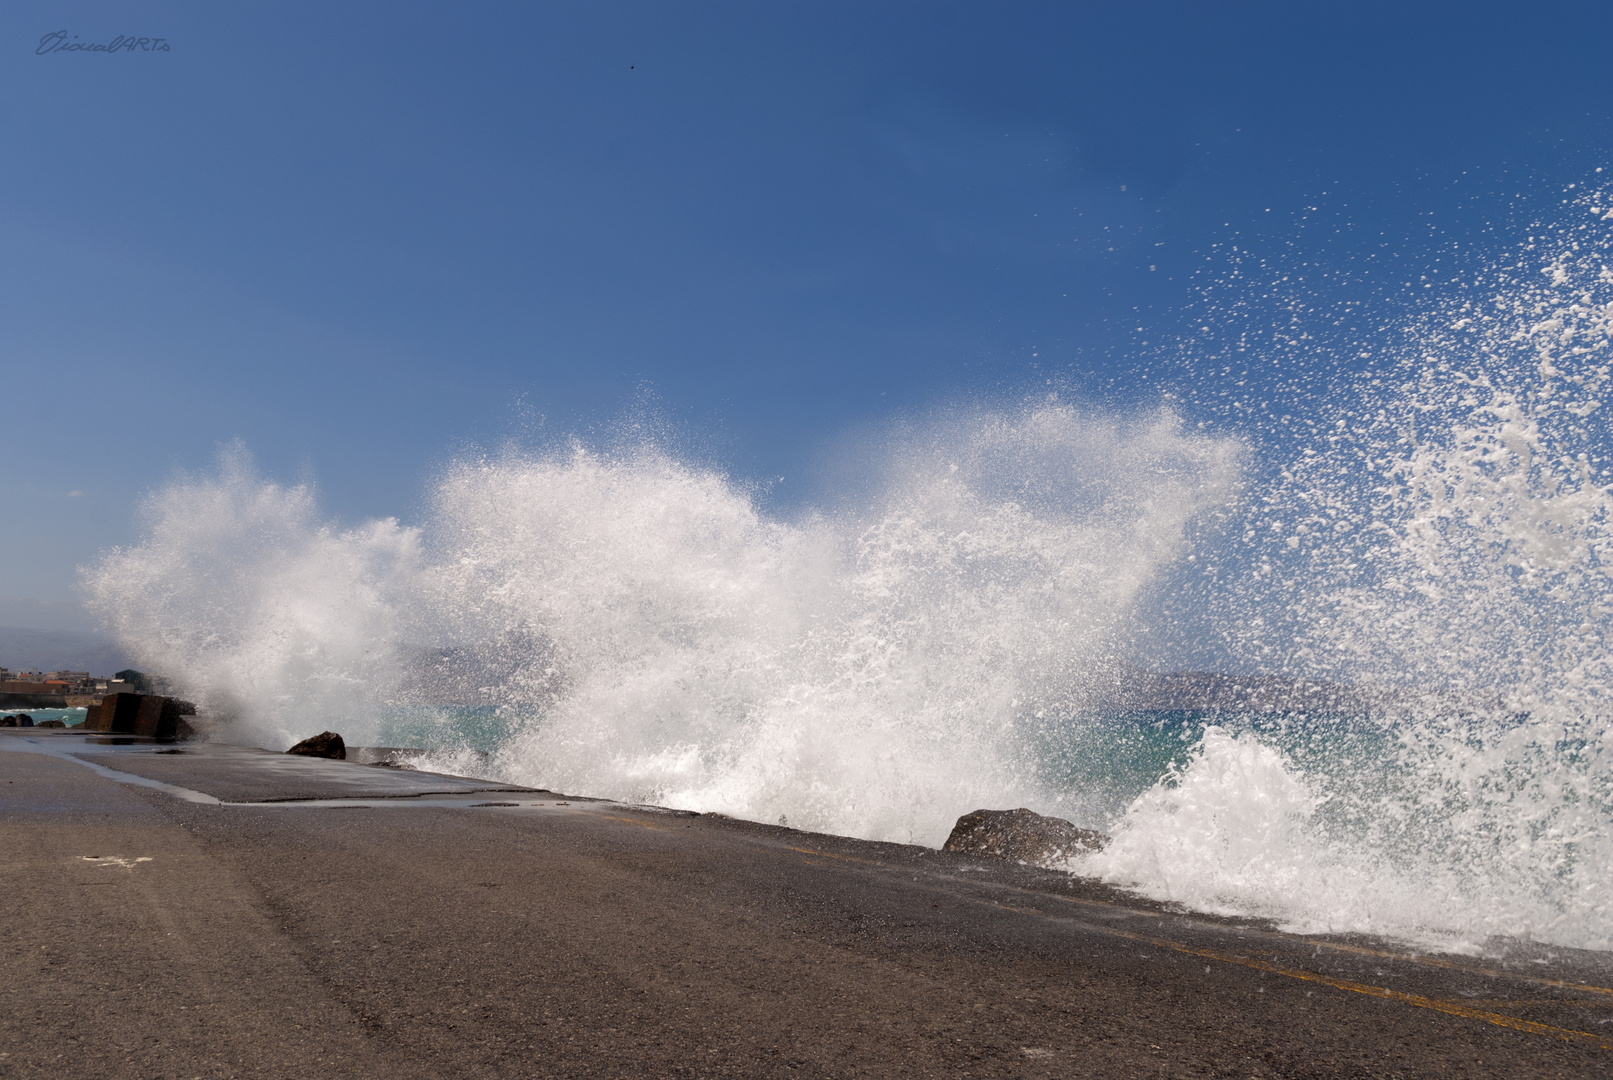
867, 670
254, 606
1445, 542
937, 640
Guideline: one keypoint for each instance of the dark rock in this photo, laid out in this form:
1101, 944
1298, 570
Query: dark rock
8, 721
24, 720
1023, 836
51, 723
326, 744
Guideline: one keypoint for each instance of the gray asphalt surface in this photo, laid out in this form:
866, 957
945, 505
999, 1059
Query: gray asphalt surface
377, 934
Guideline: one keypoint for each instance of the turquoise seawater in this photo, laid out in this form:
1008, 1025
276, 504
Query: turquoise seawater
1089, 766
66, 716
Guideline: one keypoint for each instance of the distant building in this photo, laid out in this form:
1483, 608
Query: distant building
82, 686
137, 681
18, 686
78, 682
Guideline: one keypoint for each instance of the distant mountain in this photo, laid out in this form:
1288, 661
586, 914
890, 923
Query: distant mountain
57, 650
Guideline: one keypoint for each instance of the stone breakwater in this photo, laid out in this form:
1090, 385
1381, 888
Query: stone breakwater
410, 925
148, 715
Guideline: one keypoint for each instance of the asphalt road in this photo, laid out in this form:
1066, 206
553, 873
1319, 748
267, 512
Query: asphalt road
389, 927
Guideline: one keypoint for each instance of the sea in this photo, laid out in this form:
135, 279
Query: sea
1414, 508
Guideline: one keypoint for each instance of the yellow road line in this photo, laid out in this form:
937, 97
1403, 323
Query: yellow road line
624, 820
1418, 1000
1359, 950
1410, 958
1452, 1008
842, 858
1430, 961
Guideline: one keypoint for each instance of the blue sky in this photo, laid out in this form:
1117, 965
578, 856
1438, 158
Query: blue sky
363, 239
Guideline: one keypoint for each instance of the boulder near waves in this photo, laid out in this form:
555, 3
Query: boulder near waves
327, 744
1022, 836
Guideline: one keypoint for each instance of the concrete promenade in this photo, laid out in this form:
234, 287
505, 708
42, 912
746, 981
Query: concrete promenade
224, 912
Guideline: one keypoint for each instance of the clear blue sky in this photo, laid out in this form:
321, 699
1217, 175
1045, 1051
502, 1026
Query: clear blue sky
364, 237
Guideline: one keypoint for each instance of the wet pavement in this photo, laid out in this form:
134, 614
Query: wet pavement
248, 774
231, 912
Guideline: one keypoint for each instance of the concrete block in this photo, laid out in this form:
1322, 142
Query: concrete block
158, 717
119, 713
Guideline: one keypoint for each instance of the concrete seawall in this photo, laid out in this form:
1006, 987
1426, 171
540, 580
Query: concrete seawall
208, 910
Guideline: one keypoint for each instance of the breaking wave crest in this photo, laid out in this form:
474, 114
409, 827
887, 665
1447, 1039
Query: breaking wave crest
943, 639
1445, 539
651, 635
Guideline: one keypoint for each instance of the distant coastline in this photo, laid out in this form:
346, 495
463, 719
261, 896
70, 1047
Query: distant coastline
9, 701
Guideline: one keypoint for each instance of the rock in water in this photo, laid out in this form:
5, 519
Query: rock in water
1021, 835
326, 744
51, 723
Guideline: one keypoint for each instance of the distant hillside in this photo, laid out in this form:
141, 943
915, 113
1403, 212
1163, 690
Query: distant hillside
55, 650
